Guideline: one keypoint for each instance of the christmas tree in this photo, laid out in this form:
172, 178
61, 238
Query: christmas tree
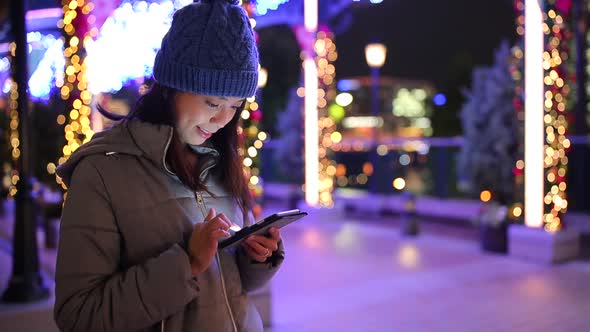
490, 127
289, 152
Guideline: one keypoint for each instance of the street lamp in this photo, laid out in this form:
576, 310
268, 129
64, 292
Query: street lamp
375, 55
262, 77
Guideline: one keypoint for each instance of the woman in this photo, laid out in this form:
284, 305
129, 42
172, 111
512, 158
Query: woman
149, 198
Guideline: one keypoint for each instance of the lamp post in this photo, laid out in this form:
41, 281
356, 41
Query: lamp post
262, 77
26, 283
375, 55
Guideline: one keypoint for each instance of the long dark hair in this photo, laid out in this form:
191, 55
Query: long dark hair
157, 107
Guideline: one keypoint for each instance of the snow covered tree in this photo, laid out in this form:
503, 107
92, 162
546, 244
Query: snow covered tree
289, 152
490, 127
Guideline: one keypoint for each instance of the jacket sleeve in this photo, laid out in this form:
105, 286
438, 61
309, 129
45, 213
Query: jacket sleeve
92, 292
255, 275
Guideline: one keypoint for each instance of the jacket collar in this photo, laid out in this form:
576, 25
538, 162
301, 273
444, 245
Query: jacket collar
135, 138
154, 141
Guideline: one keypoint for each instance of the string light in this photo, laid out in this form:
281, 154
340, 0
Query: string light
557, 35
556, 96
252, 137
14, 122
117, 42
11, 177
326, 54
13, 136
399, 183
485, 196
77, 18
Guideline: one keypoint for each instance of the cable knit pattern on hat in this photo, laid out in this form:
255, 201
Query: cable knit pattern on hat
210, 50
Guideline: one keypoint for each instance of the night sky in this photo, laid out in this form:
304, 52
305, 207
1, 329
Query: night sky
427, 39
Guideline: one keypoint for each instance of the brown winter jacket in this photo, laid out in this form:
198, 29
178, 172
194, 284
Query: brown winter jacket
121, 265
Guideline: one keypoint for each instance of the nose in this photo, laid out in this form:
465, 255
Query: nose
222, 117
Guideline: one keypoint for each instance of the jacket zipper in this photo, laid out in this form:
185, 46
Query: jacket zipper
231, 315
167, 170
170, 135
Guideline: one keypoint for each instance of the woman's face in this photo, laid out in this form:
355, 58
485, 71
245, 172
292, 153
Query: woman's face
198, 117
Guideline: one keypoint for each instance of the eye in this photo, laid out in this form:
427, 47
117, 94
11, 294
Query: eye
211, 105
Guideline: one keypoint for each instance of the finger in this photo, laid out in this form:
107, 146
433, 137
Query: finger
256, 247
259, 248
274, 233
219, 234
264, 241
225, 219
253, 254
216, 223
210, 215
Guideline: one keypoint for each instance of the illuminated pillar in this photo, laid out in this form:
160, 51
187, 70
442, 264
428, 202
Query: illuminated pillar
534, 111
311, 109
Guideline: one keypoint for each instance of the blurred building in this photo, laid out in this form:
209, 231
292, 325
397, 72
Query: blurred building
405, 108
396, 129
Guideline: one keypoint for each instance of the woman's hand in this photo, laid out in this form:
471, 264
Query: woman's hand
260, 248
203, 241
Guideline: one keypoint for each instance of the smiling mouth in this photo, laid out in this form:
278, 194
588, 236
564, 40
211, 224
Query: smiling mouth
204, 133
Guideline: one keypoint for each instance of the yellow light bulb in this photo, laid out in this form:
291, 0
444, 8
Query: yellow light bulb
485, 196
399, 183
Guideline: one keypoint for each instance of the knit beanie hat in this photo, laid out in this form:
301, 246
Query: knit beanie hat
209, 50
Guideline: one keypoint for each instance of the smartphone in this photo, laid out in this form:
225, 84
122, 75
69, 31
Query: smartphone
278, 220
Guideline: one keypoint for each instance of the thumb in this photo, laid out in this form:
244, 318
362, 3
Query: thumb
210, 215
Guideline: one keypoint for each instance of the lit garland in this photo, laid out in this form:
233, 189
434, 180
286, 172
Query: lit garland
517, 209
13, 109
36, 89
118, 36
556, 93
76, 19
14, 137
14, 124
252, 139
74, 88
326, 54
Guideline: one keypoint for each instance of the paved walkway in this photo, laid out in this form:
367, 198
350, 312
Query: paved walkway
31, 317
358, 274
